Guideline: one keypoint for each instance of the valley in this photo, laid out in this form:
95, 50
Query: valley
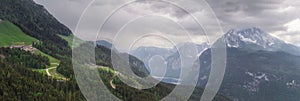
38, 62
258, 66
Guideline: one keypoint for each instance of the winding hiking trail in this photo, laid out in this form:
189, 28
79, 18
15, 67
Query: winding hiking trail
53, 73
111, 81
47, 70
54, 67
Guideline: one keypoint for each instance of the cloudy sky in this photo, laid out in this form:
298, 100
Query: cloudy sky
174, 23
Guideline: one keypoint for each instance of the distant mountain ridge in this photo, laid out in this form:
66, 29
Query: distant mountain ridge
256, 39
250, 40
104, 43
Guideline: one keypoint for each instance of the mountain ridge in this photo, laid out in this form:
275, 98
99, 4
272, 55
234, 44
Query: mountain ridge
256, 39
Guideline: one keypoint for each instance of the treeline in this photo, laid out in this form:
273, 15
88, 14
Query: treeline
53, 50
25, 58
18, 82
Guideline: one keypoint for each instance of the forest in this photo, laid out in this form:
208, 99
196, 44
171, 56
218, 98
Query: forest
25, 58
19, 82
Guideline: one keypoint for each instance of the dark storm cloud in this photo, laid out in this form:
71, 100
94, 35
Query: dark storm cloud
245, 13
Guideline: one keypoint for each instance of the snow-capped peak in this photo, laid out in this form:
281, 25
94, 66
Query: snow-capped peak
240, 38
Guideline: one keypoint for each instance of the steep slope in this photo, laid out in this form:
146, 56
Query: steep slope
32, 17
12, 35
103, 56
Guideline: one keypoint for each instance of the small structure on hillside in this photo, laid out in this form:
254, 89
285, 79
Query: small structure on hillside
2, 56
25, 48
29, 48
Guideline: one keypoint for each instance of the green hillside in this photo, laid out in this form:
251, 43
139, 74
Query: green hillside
51, 59
12, 35
70, 38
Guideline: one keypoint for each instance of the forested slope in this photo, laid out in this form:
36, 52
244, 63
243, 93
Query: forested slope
36, 21
18, 81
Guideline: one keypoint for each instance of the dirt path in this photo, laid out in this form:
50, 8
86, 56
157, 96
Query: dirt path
54, 67
47, 70
111, 81
55, 75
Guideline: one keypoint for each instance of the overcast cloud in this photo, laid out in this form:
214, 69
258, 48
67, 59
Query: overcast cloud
280, 18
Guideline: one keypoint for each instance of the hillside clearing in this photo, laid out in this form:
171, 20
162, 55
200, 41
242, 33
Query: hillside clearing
70, 38
52, 59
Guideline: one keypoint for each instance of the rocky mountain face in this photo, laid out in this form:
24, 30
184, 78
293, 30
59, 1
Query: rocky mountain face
256, 39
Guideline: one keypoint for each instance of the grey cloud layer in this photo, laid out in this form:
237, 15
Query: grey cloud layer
270, 15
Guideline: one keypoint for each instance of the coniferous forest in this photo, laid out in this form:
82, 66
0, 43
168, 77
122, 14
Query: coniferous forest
19, 82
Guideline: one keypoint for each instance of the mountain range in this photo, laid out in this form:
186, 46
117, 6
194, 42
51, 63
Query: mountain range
250, 39
257, 64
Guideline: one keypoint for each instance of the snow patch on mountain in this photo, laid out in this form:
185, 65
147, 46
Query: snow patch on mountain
292, 84
238, 38
247, 39
259, 76
256, 39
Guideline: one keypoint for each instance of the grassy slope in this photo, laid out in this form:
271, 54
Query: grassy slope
12, 35
70, 38
52, 59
